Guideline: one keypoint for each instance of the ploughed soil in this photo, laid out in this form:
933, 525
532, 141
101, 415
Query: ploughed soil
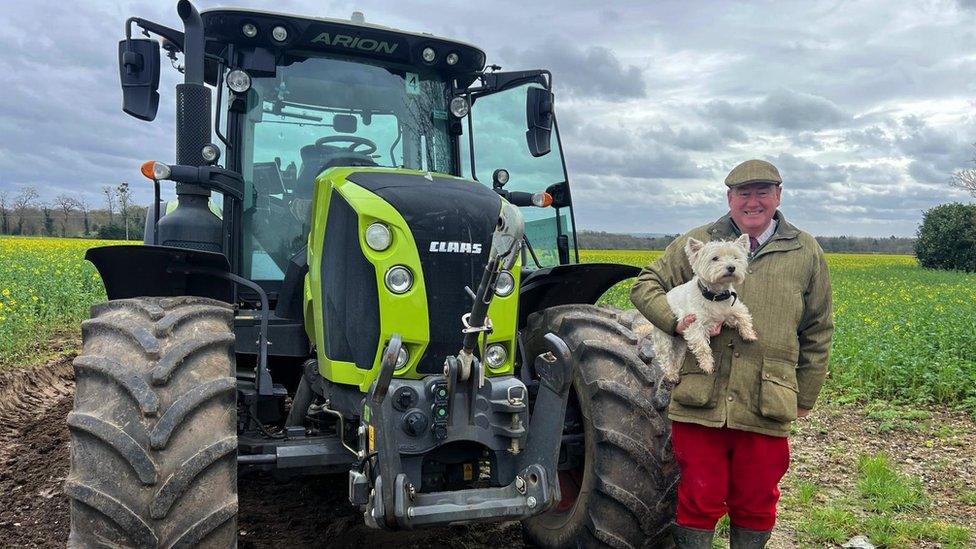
314, 512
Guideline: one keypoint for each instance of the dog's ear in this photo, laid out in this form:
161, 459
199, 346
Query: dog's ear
743, 241
692, 247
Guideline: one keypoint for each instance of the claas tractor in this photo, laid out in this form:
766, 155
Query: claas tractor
369, 268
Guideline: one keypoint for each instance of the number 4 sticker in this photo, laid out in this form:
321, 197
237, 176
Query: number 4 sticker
412, 82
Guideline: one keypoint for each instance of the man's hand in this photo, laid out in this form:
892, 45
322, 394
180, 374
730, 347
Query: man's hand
802, 412
688, 320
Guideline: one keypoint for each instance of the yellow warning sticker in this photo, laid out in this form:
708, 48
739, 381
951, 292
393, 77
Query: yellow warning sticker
468, 471
372, 439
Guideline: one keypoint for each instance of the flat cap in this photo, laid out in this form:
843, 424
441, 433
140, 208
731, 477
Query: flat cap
753, 171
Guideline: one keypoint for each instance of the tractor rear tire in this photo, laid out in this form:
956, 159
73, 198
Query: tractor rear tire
153, 430
624, 493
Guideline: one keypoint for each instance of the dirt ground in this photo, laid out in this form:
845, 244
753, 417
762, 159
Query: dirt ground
314, 512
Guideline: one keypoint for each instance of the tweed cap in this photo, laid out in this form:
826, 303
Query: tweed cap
753, 171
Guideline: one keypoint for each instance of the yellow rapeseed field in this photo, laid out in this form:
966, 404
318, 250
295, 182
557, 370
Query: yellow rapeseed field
46, 286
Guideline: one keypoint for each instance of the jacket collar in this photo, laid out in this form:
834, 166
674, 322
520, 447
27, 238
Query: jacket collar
785, 237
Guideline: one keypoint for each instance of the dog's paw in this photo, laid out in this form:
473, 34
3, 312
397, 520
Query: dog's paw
671, 377
707, 366
749, 334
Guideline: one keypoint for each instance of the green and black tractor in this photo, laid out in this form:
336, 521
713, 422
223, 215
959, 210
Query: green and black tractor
369, 268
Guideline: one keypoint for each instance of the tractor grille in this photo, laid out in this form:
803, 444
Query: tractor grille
450, 211
349, 295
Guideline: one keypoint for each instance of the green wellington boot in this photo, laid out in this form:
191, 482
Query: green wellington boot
691, 538
744, 538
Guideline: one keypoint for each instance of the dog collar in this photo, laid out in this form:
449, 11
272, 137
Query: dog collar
712, 296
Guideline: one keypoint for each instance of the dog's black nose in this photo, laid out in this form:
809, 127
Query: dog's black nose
730, 268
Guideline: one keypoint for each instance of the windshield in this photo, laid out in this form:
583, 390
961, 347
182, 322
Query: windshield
321, 113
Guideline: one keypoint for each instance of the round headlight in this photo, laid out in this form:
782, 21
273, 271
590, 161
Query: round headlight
279, 33
505, 284
459, 107
402, 357
210, 153
249, 30
501, 176
496, 355
378, 237
238, 80
452, 58
429, 54
398, 279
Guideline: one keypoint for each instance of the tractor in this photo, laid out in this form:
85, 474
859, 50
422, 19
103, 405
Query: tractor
369, 268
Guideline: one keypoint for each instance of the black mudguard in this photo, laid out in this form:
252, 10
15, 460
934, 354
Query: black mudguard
565, 284
159, 271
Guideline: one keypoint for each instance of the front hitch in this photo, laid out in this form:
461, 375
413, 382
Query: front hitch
535, 483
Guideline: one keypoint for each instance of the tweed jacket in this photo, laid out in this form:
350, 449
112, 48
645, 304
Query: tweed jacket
756, 386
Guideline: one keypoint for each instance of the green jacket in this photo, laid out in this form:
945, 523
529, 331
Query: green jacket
757, 386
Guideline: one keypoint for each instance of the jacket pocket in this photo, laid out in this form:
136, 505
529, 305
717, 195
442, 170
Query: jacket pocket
695, 388
777, 394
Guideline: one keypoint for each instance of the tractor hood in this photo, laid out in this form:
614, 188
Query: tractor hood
441, 230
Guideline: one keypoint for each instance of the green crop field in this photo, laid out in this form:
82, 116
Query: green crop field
903, 333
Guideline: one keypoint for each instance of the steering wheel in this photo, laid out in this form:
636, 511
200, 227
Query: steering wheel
354, 143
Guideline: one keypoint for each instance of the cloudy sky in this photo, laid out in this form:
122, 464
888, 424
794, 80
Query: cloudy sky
865, 107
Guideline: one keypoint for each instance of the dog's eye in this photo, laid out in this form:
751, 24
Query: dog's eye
715, 258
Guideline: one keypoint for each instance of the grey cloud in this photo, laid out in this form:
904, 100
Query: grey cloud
800, 173
784, 109
591, 71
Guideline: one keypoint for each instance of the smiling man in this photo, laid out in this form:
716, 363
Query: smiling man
729, 428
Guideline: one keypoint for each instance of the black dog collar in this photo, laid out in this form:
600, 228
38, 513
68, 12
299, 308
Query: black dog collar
712, 296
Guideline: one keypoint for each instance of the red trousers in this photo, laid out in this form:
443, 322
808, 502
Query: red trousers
728, 471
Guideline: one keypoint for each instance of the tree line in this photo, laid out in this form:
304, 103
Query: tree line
598, 240
118, 216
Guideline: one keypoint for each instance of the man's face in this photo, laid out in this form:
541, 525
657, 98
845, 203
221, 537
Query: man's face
753, 205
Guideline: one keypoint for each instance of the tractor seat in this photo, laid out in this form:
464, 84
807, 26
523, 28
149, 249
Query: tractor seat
324, 157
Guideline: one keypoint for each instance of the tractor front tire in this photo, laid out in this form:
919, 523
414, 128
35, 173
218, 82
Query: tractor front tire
623, 494
153, 430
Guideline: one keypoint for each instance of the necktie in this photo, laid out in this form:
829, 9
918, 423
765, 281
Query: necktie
753, 244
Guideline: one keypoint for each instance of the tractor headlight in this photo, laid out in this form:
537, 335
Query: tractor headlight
378, 237
452, 58
398, 279
249, 30
210, 153
238, 80
460, 107
496, 355
279, 33
429, 54
505, 284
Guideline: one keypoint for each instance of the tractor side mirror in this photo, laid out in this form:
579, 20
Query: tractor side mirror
139, 75
538, 118
344, 123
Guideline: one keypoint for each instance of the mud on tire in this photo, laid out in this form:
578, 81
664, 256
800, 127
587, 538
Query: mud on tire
153, 430
626, 487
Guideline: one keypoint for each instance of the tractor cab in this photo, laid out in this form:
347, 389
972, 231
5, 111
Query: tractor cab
297, 96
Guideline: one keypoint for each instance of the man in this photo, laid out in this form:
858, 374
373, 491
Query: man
729, 428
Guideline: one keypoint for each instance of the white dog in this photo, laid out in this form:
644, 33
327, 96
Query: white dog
709, 295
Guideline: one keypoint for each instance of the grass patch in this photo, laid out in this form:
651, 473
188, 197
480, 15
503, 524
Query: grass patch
884, 489
827, 524
895, 533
